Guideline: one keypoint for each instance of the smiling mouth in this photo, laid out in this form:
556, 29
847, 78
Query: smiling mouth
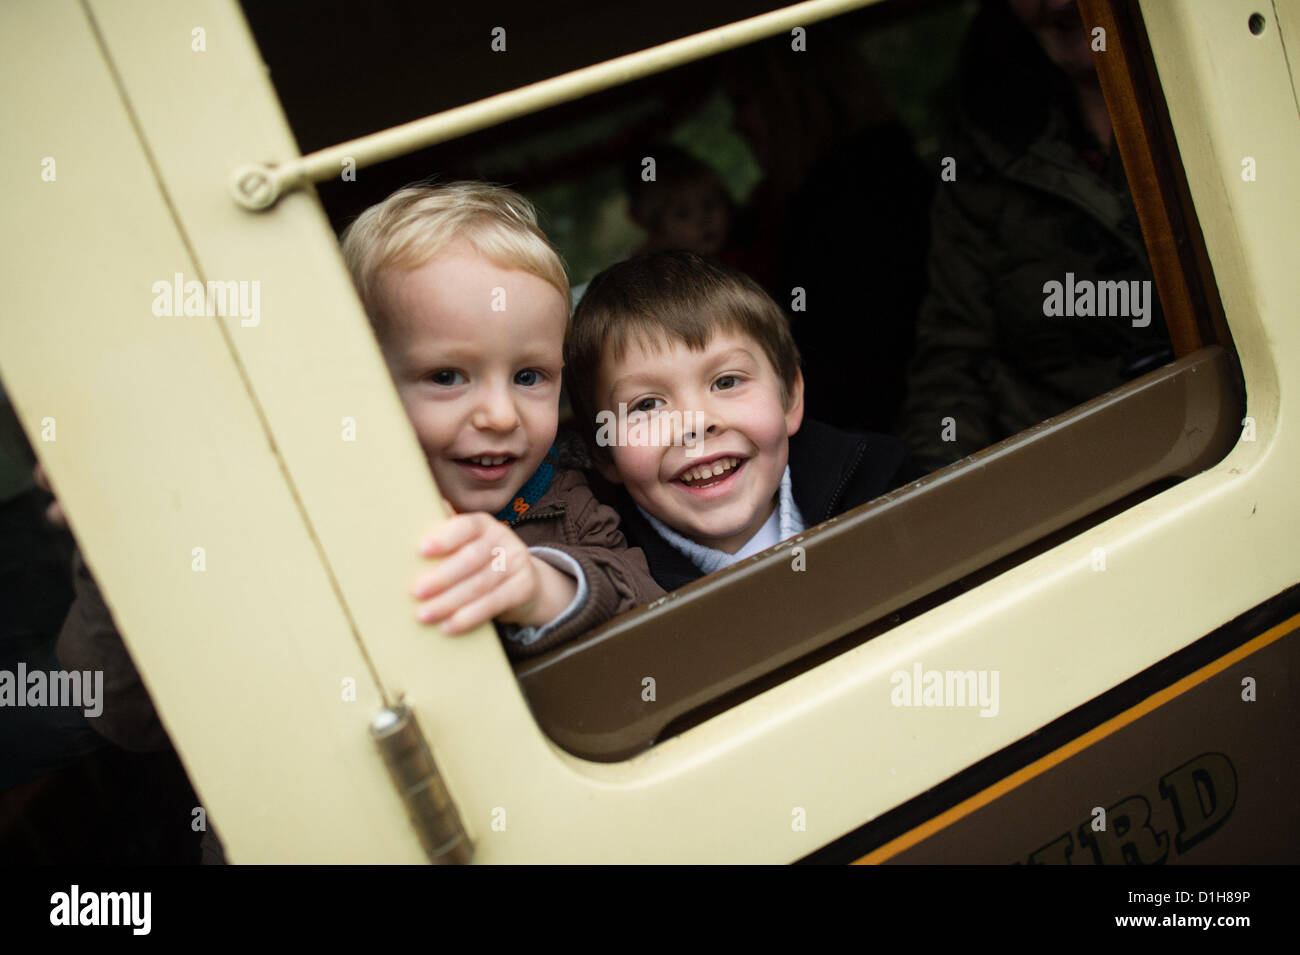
487, 467
707, 475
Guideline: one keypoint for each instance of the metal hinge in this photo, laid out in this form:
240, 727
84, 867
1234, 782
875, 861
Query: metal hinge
411, 766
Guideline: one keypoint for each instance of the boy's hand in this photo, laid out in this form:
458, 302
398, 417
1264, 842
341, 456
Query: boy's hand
486, 573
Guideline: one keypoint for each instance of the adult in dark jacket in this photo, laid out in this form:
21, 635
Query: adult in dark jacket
1039, 196
840, 214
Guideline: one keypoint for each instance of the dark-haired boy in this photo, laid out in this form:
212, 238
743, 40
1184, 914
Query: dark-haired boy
701, 364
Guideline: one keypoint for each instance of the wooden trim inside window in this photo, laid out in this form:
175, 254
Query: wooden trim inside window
1145, 138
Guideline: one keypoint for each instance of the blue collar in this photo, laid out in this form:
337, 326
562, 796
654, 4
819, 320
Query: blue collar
532, 490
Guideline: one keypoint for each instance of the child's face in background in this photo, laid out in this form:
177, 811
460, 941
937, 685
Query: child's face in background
476, 351
740, 427
696, 217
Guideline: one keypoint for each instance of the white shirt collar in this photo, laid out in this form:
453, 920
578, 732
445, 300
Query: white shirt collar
785, 521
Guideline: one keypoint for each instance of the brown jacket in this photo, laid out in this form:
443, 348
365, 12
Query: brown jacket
568, 518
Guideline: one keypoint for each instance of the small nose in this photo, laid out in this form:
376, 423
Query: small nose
698, 425
691, 435
496, 411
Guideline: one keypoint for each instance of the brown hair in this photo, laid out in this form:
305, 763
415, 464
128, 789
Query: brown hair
679, 296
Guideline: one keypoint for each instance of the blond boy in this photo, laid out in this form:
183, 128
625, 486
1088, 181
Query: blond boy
469, 303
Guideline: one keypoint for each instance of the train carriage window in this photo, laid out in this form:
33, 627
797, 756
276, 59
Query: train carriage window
976, 219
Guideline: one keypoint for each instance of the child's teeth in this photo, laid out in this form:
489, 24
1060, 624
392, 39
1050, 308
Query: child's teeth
705, 471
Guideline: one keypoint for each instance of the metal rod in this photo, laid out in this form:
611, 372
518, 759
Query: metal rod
259, 186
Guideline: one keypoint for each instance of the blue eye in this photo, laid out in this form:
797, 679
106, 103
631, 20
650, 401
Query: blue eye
528, 377
447, 377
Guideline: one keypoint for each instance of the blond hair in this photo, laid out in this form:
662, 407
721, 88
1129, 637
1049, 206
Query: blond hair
417, 222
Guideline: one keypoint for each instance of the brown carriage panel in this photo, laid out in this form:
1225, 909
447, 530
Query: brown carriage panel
1199, 774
